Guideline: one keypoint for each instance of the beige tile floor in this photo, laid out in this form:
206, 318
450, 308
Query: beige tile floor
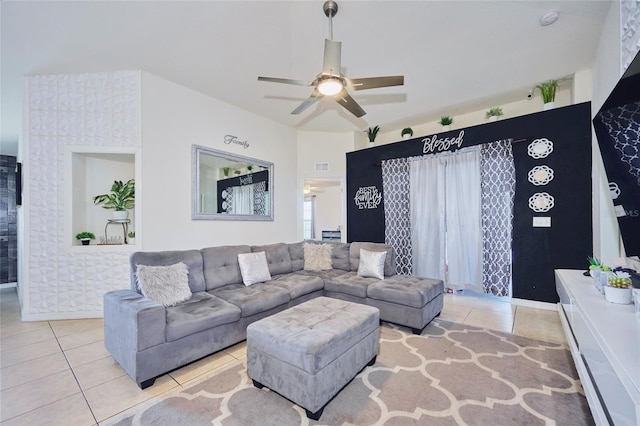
59, 373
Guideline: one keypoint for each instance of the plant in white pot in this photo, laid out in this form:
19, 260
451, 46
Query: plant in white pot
132, 237
494, 113
548, 93
372, 132
121, 199
85, 237
618, 289
406, 133
446, 121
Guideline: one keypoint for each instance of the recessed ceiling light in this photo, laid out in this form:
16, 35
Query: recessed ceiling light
549, 18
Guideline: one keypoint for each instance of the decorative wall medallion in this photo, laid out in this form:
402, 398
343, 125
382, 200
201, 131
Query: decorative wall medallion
540, 148
368, 197
614, 190
541, 202
540, 175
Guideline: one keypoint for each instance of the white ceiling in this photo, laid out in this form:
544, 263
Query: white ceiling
456, 56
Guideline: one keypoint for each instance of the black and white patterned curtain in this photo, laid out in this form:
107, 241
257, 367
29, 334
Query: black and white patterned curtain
259, 198
498, 180
623, 124
397, 231
498, 190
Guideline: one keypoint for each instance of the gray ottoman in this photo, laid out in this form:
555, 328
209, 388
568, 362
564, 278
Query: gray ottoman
407, 300
309, 352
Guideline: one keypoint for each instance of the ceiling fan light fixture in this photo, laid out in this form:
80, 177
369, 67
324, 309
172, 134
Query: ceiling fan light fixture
330, 86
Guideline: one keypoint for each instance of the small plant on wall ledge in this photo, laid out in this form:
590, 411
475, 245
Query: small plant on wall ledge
85, 237
226, 170
121, 198
372, 132
494, 113
548, 92
406, 133
446, 121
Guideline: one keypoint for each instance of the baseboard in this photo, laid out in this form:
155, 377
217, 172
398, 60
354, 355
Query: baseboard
534, 304
56, 316
8, 285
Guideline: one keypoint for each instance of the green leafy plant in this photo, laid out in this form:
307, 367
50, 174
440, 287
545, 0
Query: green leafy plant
445, 120
85, 235
372, 132
594, 263
548, 90
237, 172
407, 131
249, 167
226, 170
122, 196
494, 112
131, 234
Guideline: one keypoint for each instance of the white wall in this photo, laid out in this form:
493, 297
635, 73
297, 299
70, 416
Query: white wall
322, 147
174, 118
606, 73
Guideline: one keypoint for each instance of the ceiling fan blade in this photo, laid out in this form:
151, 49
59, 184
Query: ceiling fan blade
344, 99
285, 81
315, 95
373, 82
331, 62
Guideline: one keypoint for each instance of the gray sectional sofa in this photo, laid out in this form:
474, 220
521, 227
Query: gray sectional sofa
148, 339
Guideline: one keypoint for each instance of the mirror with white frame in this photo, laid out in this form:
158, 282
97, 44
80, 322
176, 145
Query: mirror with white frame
227, 186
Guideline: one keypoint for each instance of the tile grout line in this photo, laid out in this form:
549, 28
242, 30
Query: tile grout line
75, 377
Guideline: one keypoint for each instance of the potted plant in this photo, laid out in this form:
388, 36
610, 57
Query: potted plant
249, 168
548, 92
237, 172
120, 199
618, 289
132, 236
446, 121
85, 237
372, 132
226, 170
406, 133
494, 113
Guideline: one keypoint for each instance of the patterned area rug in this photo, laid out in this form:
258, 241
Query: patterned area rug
451, 374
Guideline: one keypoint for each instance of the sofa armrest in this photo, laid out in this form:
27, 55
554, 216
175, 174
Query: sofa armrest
132, 322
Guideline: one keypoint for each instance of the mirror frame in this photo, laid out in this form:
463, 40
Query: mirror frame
196, 152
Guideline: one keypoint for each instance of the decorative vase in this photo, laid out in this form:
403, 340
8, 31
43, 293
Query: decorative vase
406, 136
120, 214
618, 295
493, 118
548, 106
131, 241
446, 128
372, 144
85, 241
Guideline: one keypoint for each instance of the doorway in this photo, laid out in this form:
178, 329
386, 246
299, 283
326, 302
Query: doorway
324, 209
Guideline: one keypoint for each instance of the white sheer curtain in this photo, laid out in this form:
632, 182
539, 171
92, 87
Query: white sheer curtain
243, 199
445, 196
427, 211
464, 222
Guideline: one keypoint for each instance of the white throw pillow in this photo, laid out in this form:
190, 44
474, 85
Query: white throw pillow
317, 257
371, 264
254, 268
166, 285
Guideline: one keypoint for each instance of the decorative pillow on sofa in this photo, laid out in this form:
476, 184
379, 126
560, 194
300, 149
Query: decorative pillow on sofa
317, 257
372, 264
166, 285
253, 267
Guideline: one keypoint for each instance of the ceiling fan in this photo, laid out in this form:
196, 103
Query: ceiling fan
331, 81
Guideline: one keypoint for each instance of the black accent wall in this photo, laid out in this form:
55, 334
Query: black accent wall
536, 251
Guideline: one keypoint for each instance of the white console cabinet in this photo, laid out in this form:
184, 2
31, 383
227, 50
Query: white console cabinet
605, 343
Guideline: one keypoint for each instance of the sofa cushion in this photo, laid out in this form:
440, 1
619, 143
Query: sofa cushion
296, 252
166, 285
325, 275
406, 290
389, 261
349, 283
191, 258
278, 257
254, 268
298, 285
253, 299
202, 312
372, 264
317, 257
221, 265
